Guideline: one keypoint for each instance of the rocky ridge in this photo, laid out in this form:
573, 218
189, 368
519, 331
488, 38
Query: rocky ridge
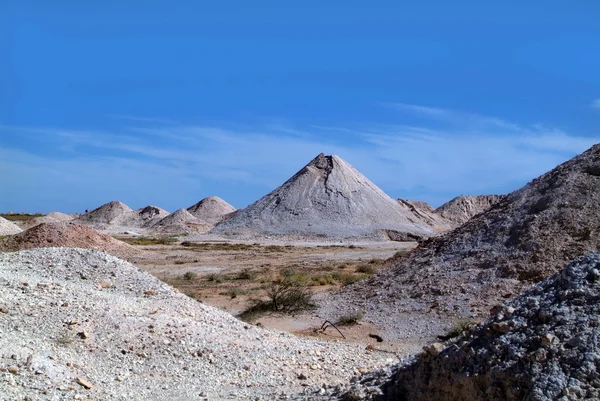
523, 238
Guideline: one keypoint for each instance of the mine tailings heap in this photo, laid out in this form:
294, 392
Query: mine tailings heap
326, 198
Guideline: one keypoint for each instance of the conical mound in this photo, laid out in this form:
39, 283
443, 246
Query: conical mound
60, 216
109, 213
327, 198
525, 237
180, 222
211, 209
144, 217
66, 235
8, 227
543, 345
462, 208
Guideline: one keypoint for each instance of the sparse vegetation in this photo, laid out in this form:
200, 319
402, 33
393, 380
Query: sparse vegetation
282, 297
217, 246
21, 216
234, 292
350, 319
459, 327
245, 274
216, 278
190, 276
367, 269
148, 240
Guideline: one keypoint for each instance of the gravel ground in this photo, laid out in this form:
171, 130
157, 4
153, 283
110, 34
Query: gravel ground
81, 324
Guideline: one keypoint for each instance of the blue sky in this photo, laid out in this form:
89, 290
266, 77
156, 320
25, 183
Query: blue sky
168, 102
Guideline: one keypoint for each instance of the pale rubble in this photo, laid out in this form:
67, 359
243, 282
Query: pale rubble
143, 340
8, 227
548, 349
66, 234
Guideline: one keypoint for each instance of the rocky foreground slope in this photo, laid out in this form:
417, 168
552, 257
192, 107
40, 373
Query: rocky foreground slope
542, 345
528, 235
326, 198
80, 324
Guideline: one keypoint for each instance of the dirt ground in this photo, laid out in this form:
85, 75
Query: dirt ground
231, 275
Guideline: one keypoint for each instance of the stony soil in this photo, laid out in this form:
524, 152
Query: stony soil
66, 235
211, 209
8, 227
326, 198
80, 324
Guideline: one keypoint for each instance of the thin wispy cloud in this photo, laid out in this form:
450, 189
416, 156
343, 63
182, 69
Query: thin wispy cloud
175, 166
596, 104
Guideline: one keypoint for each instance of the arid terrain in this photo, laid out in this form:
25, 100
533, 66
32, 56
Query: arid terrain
250, 304
229, 275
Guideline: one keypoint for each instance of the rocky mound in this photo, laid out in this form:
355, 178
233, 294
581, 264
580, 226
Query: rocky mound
52, 217
66, 235
327, 198
543, 345
425, 213
111, 213
462, 208
81, 324
8, 227
144, 217
522, 239
60, 216
180, 222
211, 209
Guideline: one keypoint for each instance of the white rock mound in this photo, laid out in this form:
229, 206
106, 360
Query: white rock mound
8, 227
180, 222
73, 318
326, 198
112, 213
211, 209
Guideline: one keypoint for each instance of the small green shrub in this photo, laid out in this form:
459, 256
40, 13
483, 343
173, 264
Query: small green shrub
282, 297
215, 278
235, 291
349, 319
245, 274
190, 276
367, 269
459, 327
